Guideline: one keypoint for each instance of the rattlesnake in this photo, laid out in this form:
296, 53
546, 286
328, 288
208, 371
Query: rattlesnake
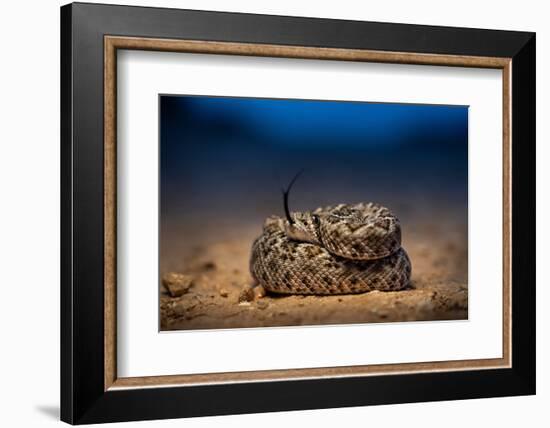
338, 249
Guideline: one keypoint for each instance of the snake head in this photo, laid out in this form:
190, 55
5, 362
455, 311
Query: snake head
304, 227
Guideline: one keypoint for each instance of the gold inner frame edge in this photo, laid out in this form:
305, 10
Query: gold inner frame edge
113, 43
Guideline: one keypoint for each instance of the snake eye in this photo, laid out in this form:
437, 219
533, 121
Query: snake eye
316, 220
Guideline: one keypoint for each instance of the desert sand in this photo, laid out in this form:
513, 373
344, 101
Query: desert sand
218, 275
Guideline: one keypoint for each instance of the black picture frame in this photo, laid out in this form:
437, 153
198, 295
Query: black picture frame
83, 396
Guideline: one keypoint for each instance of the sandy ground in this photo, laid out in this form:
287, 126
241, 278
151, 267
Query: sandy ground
218, 274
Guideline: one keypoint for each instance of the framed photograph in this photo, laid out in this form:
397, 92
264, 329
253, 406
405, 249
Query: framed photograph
273, 213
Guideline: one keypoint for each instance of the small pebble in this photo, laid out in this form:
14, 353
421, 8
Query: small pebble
247, 295
259, 292
177, 284
224, 292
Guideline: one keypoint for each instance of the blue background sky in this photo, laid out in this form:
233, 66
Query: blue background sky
219, 152
313, 122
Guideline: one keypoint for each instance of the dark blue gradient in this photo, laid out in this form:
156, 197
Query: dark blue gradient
307, 122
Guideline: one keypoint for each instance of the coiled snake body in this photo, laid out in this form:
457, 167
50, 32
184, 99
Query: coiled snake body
333, 250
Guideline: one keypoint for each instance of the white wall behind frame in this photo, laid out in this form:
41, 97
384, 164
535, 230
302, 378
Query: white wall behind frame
29, 229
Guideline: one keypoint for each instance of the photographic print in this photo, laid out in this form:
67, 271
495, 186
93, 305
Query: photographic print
287, 212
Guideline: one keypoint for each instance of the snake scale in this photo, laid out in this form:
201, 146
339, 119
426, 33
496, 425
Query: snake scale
340, 249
